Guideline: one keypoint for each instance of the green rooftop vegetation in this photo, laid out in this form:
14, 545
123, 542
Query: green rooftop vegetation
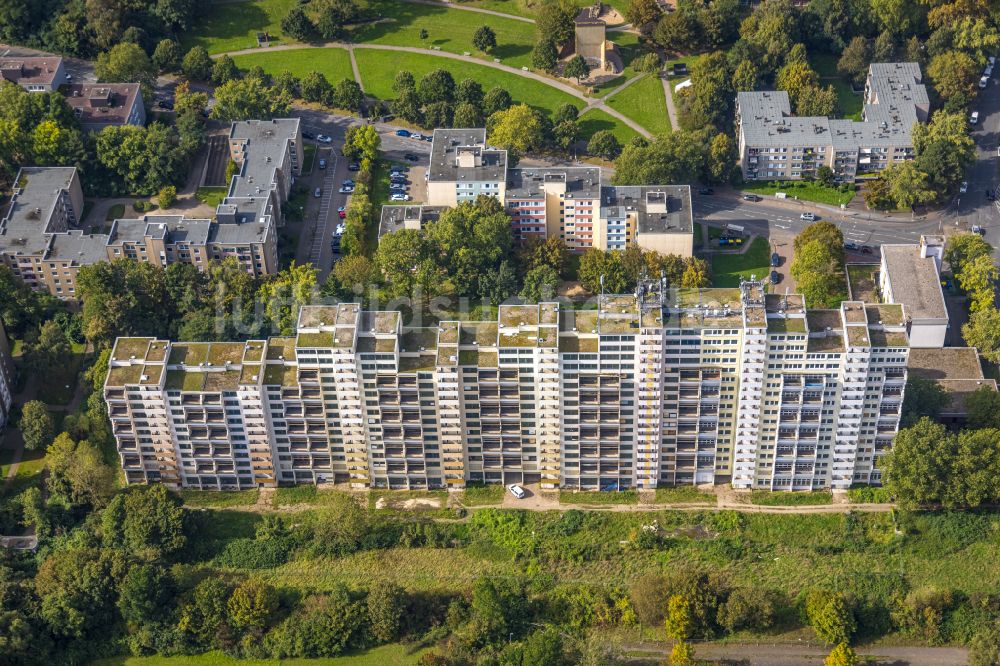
516, 315
889, 314
415, 339
830, 344
547, 336
584, 321
124, 375
182, 380
189, 353
881, 338
157, 351
422, 362
254, 351
619, 325
522, 338
476, 358
548, 313
862, 282
786, 325
857, 336
250, 373
215, 381
281, 349
480, 333
221, 353
446, 354
151, 374
711, 298
574, 344
323, 339
128, 348
448, 333
277, 374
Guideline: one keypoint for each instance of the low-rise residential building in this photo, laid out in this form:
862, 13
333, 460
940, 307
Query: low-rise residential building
6, 378
34, 74
100, 105
41, 239
775, 145
911, 275
958, 371
570, 203
660, 387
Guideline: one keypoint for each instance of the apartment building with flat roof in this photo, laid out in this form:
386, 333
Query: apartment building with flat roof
775, 145
571, 203
6, 378
911, 275
100, 105
660, 387
34, 74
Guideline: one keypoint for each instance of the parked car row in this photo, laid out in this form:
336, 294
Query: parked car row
399, 184
414, 135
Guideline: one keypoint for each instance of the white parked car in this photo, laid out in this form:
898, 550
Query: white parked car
808, 217
984, 81
974, 117
992, 60
399, 196
988, 71
964, 187
323, 138
346, 190
516, 490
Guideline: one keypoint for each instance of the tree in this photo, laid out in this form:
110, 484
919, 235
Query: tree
283, 294
385, 610
350, 276
348, 95
544, 648
681, 654
566, 133
643, 13
126, 63
143, 158
467, 115
816, 101
497, 99
407, 106
397, 257
916, 471
205, 616
678, 30
825, 176
437, 86
224, 69
186, 101
251, 605
827, 233
484, 39
167, 55
696, 274
145, 595
469, 91
842, 655
334, 15
829, 616
924, 397
50, 351
961, 249
564, 113
315, 88
647, 63
37, 427
604, 144
518, 129
745, 76
297, 25
907, 185
577, 68
249, 98
977, 280
77, 473
554, 21
362, 142
144, 519
167, 196
197, 64
983, 408
984, 650
750, 608
544, 55
855, 59
76, 590
540, 284
953, 74
438, 114
403, 81
679, 621
497, 286
983, 332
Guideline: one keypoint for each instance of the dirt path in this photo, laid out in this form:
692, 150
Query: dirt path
791, 654
589, 102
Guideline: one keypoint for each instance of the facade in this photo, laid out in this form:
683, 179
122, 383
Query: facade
570, 203
107, 104
774, 145
660, 387
41, 241
911, 275
6, 378
590, 35
34, 74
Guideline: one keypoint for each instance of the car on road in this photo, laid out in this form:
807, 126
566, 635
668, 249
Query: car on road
973, 117
976, 229
775, 277
516, 490
867, 249
322, 164
706, 191
399, 196
751, 197
402, 133
341, 228
411, 157
808, 217
964, 187
348, 183
318, 193
165, 104
418, 137
354, 166
397, 187
852, 247
323, 138
428, 138
984, 81
342, 212
775, 259
346, 189
308, 135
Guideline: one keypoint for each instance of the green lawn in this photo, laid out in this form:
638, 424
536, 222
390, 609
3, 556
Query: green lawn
800, 189
380, 656
524, 8
596, 497
333, 63
766, 498
232, 26
378, 70
596, 120
483, 495
644, 103
850, 103
211, 196
115, 212
447, 29
683, 495
219, 499
727, 269
628, 47
309, 156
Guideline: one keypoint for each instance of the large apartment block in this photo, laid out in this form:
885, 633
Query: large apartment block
41, 238
775, 145
659, 387
570, 203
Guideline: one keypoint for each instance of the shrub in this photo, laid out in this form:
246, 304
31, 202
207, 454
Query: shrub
648, 62
748, 608
830, 616
255, 554
168, 196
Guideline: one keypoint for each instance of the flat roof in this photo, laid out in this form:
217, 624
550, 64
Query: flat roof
945, 363
658, 209
397, 217
103, 103
490, 164
29, 218
79, 248
915, 282
527, 182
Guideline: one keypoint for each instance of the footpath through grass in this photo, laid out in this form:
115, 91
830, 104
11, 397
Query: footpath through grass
766, 498
800, 189
643, 102
381, 656
727, 269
